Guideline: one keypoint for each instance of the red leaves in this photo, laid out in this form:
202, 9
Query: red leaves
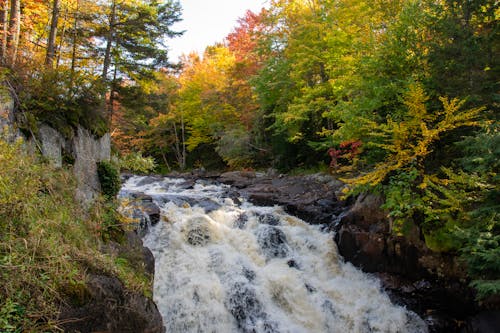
348, 150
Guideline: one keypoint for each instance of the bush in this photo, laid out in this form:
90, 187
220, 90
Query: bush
136, 163
63, 99
109, 178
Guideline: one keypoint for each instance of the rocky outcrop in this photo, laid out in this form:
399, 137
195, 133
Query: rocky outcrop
87, 151
112, 308
310, 197
52, 143
365, 238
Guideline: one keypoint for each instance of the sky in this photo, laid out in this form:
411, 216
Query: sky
207, 22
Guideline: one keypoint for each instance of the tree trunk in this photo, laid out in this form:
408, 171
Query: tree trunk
109, 42
51, 42
111, 106
61, 39
14, 31
75, 35
4, 26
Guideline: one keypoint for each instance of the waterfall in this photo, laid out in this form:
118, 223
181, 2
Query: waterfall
225, 265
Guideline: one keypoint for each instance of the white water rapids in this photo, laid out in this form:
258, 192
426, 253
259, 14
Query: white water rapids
224, 265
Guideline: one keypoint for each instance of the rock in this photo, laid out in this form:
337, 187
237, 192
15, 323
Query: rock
52, 143
7, 118
149, 180
111, 308
87, 151
311, 198
197, 232
484, 322
272, 242
269, 219
146, 205
238, 179
245, 307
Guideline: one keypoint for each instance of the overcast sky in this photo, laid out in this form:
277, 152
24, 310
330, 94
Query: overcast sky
207, 22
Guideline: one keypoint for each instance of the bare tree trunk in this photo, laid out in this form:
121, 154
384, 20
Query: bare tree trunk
75, 35
51, 42
183, 143
61, 41
165, 161
109, 42
4, 26
111, 106
14, 31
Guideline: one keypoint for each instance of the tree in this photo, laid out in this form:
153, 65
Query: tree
51, 42
14, 31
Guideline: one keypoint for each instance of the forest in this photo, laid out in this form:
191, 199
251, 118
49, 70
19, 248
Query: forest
396, 97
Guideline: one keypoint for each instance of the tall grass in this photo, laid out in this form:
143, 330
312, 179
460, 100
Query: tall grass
48, 243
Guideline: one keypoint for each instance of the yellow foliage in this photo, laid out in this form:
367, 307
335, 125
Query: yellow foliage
410, 141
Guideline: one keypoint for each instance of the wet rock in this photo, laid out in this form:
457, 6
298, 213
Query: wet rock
293, 264
269, 219
238, 179
310, 288
272, 242
112, 308
149, 180
197, 233
248, 273
208, 205
243, 304
484, 322
311, 198
146, 204
241, 221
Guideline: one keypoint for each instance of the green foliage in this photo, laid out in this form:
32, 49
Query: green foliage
11, 316
109, 177
63, 99
136, 163
234, 148
403, 200
411, 140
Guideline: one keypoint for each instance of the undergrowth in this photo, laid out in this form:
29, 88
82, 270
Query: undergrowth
48, 243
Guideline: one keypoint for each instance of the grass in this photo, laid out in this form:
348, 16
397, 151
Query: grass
48, 243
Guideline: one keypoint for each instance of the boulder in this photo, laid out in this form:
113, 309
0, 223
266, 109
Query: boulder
111, 308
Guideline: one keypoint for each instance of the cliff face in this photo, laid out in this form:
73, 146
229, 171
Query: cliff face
87, 151
82, 147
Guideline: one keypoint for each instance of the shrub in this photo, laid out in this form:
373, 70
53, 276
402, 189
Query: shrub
63, 99
136, 163
109, 178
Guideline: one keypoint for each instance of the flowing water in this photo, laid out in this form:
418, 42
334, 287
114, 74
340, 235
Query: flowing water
225, 265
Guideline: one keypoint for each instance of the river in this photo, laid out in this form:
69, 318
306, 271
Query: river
225, 265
